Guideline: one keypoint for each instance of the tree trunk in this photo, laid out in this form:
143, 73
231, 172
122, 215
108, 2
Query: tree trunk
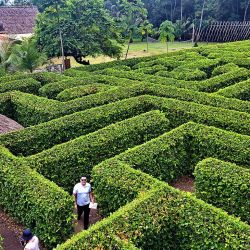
245, 13
147, 40
181, 10
202, 12
129, 40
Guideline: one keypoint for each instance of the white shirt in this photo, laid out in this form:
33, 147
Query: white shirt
33, 244
82, 193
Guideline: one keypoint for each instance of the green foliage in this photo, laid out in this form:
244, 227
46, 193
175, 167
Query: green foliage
224, 185
45, 135
64, 163
5, 55
76, 92
28, 85
86, 29
25, 56
42, 205
1, 242
224, 69
175, 153
239, 90
166, 31
159, 218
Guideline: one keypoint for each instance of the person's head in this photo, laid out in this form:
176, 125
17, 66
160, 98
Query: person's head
83, 180
27, 235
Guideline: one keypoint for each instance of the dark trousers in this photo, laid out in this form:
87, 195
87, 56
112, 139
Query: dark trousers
86, 210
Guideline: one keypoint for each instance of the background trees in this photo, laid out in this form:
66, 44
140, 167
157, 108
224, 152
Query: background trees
86, 27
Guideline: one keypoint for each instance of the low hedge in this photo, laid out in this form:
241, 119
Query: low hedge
14, 77
239, 90
36, 202
179, 112
28, 85
45, 135
49, 77
224, 185
80, 91
6, 106
176, 152
224, 69
223, 80
65, 163
53, 89
197, 97
161, 218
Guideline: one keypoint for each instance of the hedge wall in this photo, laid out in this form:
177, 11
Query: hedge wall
53, 89
176, 152
160, 218
34, 201
80, 91
45, 135
239, 90
65, 163
49, 77
224, 185
28, 85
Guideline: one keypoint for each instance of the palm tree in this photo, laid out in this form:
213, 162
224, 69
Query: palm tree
167, 32
5, 52
25, 56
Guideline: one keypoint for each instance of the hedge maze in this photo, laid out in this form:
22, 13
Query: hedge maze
133, 126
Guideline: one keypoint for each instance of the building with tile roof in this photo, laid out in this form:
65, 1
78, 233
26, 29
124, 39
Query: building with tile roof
17, 22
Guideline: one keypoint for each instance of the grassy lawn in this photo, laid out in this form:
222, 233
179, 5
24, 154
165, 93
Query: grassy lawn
137, 49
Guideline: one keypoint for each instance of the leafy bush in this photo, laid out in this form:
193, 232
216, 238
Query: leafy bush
45, 135
80, 91
239, 90
224, 185
27, 85
224, 69
36, 202
65, 163
49, 77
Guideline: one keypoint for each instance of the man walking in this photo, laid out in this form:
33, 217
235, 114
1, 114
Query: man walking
83, 196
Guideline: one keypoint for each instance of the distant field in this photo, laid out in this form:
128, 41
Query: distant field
138, 49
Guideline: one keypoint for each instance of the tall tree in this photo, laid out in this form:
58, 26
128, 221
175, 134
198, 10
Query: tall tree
87, 30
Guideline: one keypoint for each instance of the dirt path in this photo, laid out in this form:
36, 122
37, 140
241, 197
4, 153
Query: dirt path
184, 183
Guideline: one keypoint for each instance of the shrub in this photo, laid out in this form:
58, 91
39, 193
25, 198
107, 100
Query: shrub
80, 91
27, 85
224, 69
239, 90
65, 163
49, 77
45, 135
36, 202
224, 185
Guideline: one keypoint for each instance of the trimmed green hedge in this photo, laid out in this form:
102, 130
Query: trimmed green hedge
80, 91
239, 90
160, 218
49, 77
13, 77
36, 202
45, 135
224, 69
176, 152
65, 163
28, 85
179, 112
224, 185
53, 89
197, 97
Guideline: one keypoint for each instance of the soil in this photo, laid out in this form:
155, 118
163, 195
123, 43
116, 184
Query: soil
184, 183
11, 230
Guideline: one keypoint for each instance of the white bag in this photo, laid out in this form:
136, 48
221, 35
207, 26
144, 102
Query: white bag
93, 205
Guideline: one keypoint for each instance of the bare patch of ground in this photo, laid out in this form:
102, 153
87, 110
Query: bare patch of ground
7, 125
184, 183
